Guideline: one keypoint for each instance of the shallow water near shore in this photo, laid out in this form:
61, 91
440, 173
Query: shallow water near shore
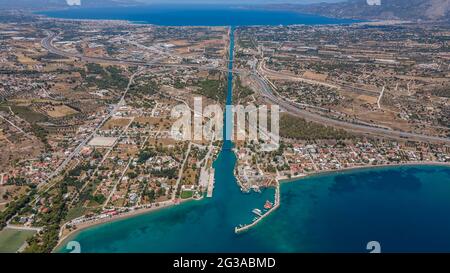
403, 208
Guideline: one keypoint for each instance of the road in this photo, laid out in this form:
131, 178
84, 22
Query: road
262, 67
117, 183
266, 91
80, 146
47, 43
13, 125
180, 173
37, 229
379, 98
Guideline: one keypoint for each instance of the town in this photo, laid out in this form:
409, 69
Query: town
86, 111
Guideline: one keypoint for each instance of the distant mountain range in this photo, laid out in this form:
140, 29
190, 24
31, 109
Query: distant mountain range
386, 10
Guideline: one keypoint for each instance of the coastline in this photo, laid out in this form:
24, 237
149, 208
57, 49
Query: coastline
102, 21
121, 22
42, 15
270, 219
123, 216
276, 205
322, 172
89, 224
280, 181
134, 213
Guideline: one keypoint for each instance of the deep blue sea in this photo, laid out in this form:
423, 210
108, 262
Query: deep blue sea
195, 15
405, 209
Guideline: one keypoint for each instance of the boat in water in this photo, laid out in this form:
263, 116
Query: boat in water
268, 205
257, 212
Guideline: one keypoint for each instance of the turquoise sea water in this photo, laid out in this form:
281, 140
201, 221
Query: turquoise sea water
196, 15
403, 208
406, 209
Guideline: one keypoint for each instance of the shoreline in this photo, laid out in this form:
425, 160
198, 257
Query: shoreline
246, 227
123, 216
42, 15
102, 21
356, 21
322, 172
276, 205
134, 213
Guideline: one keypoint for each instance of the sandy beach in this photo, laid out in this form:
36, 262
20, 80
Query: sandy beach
133, 213
167, 204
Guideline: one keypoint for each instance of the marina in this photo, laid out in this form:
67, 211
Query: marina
261, 216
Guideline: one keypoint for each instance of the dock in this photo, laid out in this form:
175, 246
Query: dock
243, 228
210, 183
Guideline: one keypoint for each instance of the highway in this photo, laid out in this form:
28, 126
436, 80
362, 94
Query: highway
267, 93
262, 67
47, 43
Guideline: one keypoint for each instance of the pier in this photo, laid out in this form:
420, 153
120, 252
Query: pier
210, 184
275, 206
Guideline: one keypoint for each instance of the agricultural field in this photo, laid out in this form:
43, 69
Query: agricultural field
60, 111
11, 240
